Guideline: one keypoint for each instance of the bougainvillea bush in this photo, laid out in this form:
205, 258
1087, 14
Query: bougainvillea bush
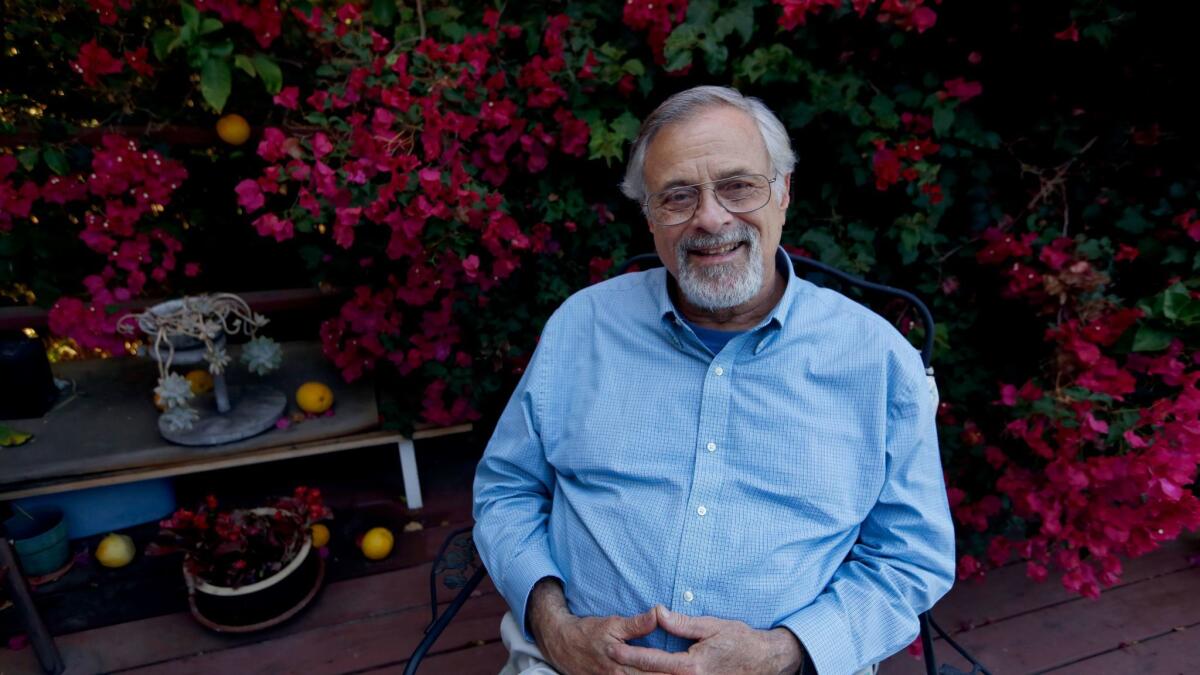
451, 170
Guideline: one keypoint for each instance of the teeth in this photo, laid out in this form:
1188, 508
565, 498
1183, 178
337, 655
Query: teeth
717, 251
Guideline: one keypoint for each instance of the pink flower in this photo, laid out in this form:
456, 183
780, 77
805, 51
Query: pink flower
1068, 34
270, 225
923, 19
94, 61
961, 89
137, 60
321, 145
271, 147
968, 568
288, 97
795, 12
250, 196
886, 166
470, 267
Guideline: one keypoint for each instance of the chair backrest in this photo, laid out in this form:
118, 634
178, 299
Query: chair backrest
801, 263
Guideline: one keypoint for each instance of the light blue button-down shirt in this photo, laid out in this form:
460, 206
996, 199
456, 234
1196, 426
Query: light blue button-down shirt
792, 479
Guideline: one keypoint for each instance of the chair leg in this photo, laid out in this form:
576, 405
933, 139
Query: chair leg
43, 642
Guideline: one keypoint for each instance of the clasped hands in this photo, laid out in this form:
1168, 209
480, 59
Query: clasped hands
599, 645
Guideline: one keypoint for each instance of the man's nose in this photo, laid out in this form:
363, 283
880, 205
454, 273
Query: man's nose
710, 215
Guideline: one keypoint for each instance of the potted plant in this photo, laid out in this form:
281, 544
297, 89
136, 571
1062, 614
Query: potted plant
193, 330
247, 568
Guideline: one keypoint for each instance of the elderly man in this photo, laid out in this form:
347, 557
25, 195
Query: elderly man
715, 467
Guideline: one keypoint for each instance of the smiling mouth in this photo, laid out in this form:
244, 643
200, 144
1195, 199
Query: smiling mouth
716, 251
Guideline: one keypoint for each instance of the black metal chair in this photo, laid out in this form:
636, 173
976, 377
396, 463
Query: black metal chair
458, 561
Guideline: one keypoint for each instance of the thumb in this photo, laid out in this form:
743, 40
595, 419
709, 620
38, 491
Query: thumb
682, 625
637, 625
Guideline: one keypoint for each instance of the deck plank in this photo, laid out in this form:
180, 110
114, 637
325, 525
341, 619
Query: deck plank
1006, 592
177, 635
1071, 631
1175, 652
347, 647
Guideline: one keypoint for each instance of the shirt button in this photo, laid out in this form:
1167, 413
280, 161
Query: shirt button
712, 447
719, 371
702, 511
688, 597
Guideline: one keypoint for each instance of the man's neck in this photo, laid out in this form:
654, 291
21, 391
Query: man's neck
742, 317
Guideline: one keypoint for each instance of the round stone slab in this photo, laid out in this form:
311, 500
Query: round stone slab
255, 409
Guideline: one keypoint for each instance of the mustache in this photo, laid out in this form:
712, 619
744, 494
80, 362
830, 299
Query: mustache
732, 236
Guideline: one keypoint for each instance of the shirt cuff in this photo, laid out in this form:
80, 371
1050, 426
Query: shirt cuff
528, 568
825, 637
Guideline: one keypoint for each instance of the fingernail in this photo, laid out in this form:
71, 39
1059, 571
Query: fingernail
665, 612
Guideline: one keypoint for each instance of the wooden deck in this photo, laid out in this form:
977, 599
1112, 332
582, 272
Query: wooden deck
1148, 625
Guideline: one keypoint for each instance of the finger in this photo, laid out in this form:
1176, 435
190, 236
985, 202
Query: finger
636, 626
684, 626
652, 660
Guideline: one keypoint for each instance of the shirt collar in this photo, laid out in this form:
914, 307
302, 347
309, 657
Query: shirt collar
778, 316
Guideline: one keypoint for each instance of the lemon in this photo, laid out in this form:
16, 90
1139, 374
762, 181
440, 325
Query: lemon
115, 550
314, 397
320, 535
233, 129
201, 381
377, 543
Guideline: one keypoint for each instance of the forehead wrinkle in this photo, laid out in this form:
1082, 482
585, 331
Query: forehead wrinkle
722, 149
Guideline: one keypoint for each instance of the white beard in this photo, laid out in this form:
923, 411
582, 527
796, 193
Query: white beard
726, 285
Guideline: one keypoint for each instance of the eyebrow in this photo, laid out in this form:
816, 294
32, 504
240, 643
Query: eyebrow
727, 173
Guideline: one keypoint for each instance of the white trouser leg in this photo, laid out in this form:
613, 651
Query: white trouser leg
524, 657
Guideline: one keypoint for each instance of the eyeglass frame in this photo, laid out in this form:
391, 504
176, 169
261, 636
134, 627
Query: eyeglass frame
708, 185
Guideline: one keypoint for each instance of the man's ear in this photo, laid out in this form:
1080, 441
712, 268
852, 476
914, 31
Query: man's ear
787, 192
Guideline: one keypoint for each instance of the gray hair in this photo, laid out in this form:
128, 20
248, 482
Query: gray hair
684, 106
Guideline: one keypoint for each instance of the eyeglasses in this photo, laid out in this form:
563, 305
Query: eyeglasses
736, 194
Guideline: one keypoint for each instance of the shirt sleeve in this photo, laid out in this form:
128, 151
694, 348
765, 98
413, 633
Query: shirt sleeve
903, 561
513, 489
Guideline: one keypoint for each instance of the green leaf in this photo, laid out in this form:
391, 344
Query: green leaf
740, 19
1098, 32
383, 12
191, 17
701, 12
1133, 221
210, 25
163, 41
243, 63
10, 437
1149, 339
626, 126
800, 114
884, 110
943, 118
1091, 249
268, 70
1174, 254
679, 45
634, 67
715, 57
215, 83
223, 50
57, 161
29, 158
1179, 306
910, 239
